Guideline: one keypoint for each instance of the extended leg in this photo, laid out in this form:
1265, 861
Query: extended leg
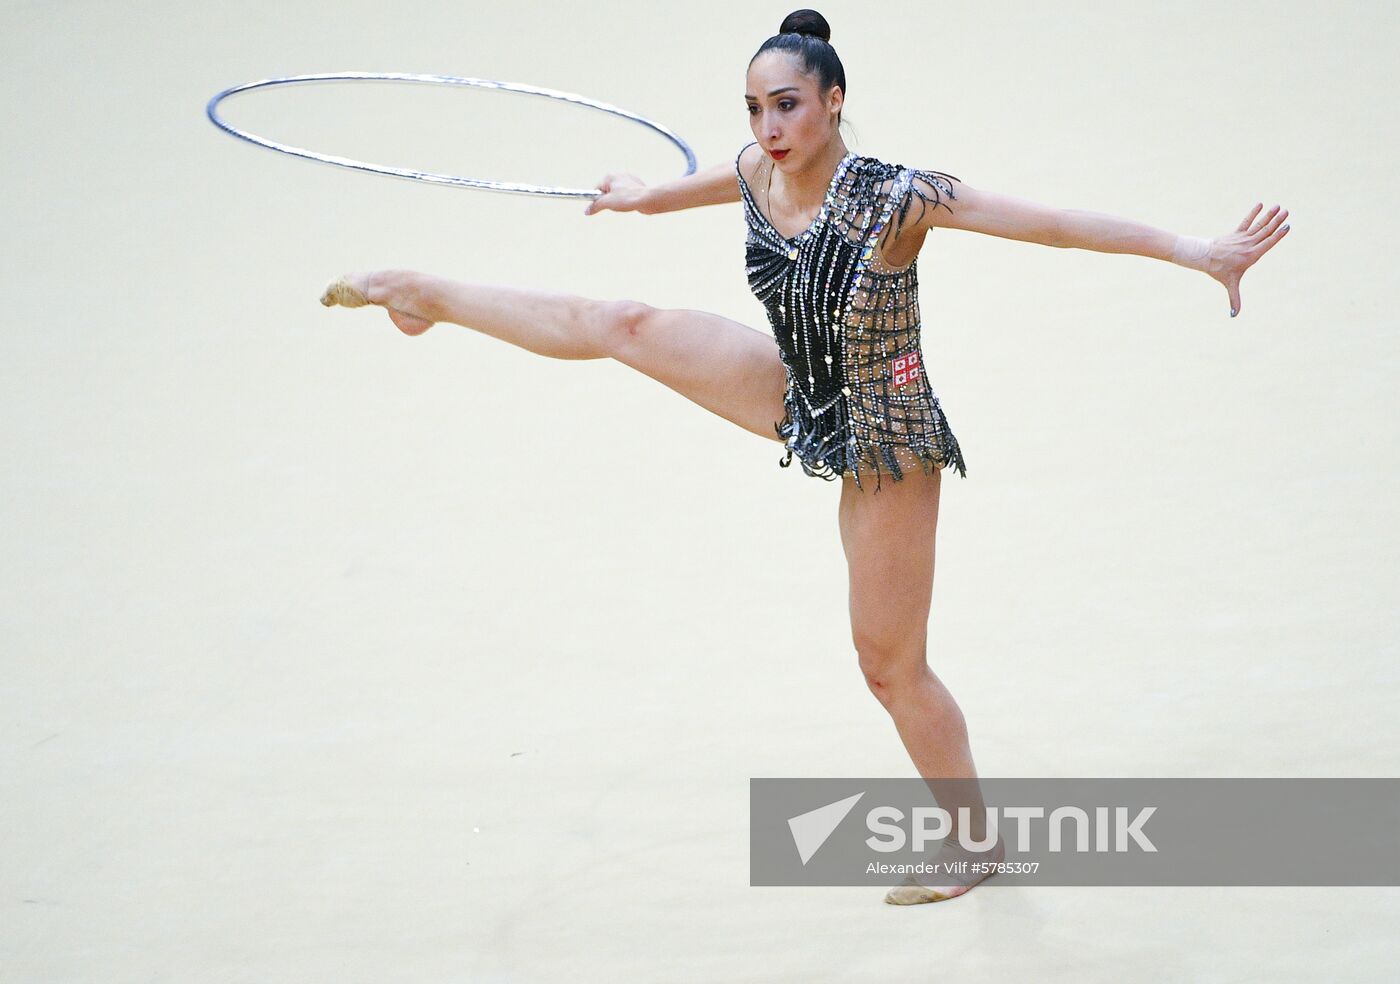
722, 365
544, 322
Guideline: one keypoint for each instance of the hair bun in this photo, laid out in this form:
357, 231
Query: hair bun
807, 22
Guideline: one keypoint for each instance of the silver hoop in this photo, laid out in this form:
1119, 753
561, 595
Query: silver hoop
397, 172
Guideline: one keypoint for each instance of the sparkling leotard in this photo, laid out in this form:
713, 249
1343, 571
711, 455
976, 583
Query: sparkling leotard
848, 329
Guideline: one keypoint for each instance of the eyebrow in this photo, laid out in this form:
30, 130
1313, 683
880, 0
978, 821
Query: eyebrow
785, 88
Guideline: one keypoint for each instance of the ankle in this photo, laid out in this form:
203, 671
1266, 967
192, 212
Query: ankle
407, 290
380, 287
954, 842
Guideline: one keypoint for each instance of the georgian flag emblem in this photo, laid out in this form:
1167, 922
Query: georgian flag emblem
905, 369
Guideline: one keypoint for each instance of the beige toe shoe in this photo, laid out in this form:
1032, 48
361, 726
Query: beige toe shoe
342, 293
915, 895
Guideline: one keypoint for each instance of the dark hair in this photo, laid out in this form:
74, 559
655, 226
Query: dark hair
806, 34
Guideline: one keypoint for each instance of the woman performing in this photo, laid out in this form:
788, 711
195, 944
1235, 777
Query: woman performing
831, 253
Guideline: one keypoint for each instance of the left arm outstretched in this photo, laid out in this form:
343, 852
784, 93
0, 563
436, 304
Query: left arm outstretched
957, 205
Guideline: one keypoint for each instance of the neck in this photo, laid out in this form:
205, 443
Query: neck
810, 184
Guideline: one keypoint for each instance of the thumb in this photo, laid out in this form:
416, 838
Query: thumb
602, 190
1234, 289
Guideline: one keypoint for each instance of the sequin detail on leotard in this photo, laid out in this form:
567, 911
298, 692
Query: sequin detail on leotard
858, 397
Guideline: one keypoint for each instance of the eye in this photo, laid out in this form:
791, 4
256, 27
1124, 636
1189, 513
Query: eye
785, 104
752, 108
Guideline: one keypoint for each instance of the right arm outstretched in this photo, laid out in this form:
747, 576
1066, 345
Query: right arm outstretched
717, 185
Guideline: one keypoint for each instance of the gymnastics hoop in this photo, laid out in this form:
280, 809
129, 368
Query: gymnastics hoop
448, 179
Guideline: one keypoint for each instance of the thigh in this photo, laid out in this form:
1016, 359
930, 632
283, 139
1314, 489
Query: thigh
889, 541
726, 367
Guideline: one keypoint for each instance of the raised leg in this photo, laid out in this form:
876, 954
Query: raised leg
724, 366
889, 545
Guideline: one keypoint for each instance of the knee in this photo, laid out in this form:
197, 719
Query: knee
895, 672
617, 325
889, 671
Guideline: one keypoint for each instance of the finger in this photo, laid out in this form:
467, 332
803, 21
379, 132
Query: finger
1277, 220
1249, 218
1234, 289
1268, 244
1263, 227
603, 188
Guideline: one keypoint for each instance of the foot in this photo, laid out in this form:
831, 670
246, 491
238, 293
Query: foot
957, 880
409, 324
352, 290
347, 291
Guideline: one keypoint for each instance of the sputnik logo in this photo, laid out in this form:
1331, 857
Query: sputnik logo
810, 830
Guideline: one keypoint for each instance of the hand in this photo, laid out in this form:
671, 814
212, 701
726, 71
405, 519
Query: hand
619, 192
1235, 252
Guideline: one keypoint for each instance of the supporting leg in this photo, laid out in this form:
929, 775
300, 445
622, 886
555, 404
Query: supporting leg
889, 545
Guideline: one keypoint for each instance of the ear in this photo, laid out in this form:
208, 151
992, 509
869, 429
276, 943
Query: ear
836, 99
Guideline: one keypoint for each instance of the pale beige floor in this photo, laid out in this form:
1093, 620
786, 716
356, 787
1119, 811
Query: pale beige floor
311, 673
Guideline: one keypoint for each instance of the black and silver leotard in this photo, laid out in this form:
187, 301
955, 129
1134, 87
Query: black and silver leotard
858, 397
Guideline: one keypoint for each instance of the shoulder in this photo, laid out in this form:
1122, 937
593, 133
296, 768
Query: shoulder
918, 194
909, 182
910, 200
874, 167
875, 178
746, 163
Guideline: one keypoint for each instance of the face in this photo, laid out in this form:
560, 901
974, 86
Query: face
787, 112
